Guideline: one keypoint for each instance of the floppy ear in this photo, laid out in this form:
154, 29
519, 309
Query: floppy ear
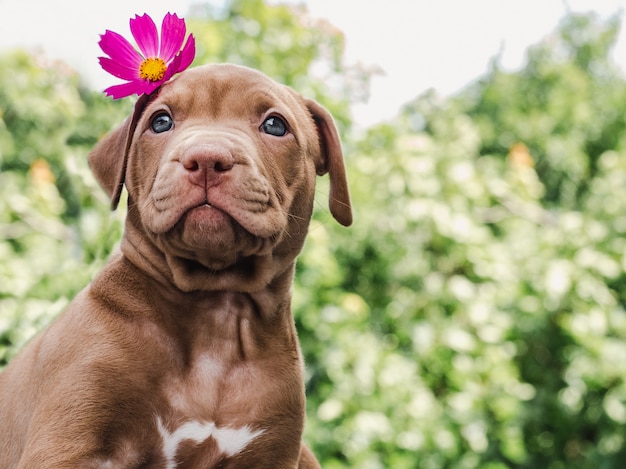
109, 158
332, 163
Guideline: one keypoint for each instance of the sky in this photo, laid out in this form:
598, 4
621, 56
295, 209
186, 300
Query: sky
418, 44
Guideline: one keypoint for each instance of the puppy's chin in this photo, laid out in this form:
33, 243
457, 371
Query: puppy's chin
208, 238
206, 228
218, 266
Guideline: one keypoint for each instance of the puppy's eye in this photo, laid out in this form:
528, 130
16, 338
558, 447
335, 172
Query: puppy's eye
162, 123
274, 126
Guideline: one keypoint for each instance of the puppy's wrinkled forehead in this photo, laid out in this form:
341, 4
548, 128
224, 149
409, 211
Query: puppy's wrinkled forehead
225, 90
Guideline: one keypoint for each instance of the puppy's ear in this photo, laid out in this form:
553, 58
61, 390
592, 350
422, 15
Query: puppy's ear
332, 163
109, 158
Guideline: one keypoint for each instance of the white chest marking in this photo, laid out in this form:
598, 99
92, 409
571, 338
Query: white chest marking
229, 440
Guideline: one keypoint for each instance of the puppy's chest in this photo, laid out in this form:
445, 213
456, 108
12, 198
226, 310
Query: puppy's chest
211, 392
186, 443
221, 406
202, 443
199, 419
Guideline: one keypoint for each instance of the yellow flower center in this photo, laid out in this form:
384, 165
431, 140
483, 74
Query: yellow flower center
152, 69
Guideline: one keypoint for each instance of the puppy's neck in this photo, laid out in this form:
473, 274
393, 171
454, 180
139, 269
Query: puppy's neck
230, 327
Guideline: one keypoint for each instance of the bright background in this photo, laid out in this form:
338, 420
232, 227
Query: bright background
418, 44
474, 315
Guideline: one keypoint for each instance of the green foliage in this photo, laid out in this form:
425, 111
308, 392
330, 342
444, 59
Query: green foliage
565, 105
473, 317
54, 224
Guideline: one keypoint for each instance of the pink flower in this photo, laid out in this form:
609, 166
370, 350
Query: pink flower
157, 62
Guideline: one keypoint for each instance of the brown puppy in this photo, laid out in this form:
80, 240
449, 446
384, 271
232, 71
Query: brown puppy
182, 353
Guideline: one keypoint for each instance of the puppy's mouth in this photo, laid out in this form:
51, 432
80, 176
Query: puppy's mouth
202, 205
208, 237
242, 204
207, 215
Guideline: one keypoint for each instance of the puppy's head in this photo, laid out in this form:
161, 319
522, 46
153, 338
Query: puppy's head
220, 169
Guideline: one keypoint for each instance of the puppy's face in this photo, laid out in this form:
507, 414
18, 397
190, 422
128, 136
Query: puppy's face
222, 166
220, 170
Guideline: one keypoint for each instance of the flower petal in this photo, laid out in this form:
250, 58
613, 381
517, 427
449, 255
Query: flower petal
125, 89
151, 86
118, 70
145, 33
173, 32
187, 54
171, 70
119, 49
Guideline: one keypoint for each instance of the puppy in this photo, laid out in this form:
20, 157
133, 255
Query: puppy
182, 352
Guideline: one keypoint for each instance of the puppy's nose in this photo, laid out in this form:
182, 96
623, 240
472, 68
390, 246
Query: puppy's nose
206, 164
